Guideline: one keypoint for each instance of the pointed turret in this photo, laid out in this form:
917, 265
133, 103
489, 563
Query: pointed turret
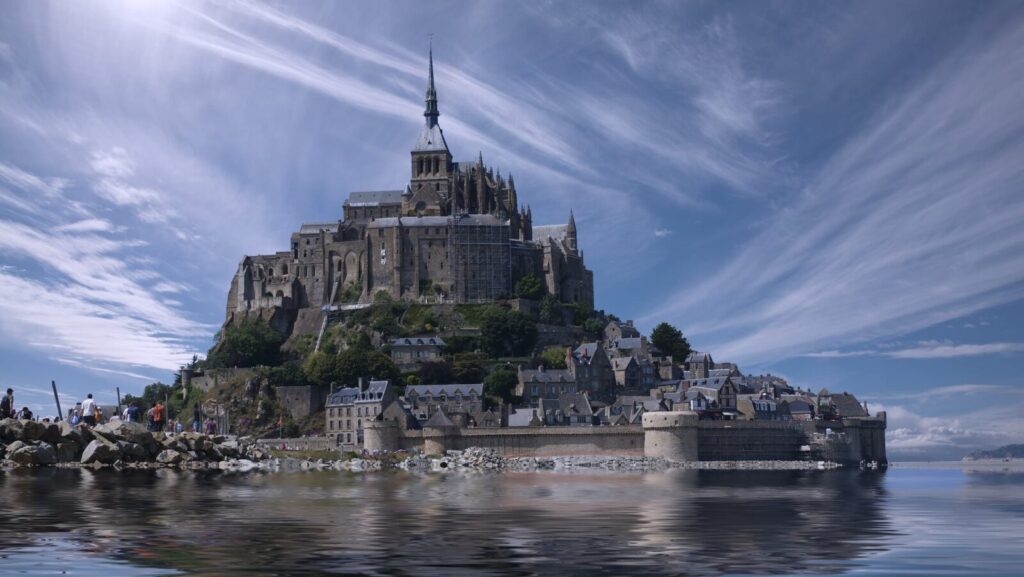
431, 112
570, 235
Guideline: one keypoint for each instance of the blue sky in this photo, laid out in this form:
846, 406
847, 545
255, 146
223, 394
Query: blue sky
833, 192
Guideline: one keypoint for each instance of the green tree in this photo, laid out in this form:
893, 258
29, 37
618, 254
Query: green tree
322, 368
500, 384
529, 287
435, 373
550, 311
249, 343
504, 332
553, 358
670, 341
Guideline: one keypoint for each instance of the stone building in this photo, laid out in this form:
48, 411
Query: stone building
425, 400
592, 370
349, 408
409, 352
543, 383
456, 232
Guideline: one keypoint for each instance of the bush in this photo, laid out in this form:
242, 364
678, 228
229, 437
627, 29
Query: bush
435, 373
249, 343
529, 287
500, 384
507, 333
553, 358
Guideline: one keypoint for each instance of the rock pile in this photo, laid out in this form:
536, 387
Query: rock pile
29, 443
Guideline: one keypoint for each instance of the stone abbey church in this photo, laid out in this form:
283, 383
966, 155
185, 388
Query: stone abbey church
456, 233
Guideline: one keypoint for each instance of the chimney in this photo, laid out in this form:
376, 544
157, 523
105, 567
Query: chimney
362, 385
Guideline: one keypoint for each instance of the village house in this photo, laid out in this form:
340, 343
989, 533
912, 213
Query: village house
408, 353
568, 410
348, 408
542, 383
592, 370
425, 400
616, 330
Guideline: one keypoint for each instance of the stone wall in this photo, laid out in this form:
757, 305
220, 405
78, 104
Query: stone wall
213, 377
535, 442
677, 436
301, 401
750, 440
301, 444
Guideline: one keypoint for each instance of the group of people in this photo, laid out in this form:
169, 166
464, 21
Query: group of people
8, 410
90, 414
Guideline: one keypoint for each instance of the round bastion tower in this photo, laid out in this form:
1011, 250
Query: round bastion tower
671, 435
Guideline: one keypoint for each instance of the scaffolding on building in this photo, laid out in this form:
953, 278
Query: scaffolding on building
481, 259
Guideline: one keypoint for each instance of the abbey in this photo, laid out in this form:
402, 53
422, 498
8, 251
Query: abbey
456, 233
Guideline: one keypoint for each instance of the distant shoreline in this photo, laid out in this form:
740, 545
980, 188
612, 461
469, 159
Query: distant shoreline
980, 464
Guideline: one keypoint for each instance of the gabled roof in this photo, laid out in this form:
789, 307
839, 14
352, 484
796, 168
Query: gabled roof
575, 404
446, 390
421, 341
439, 420
847, 405
627, 343
546, 376
553, 231
698, 357
374, 198
622, 363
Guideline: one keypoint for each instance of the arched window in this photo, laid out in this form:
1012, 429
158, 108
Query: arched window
284, 269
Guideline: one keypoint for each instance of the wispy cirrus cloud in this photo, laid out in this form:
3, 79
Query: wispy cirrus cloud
926, 350
880, 243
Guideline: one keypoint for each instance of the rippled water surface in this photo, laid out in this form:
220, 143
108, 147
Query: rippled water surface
923, 522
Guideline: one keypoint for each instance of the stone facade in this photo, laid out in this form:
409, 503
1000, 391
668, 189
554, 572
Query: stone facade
455, 233
349, 409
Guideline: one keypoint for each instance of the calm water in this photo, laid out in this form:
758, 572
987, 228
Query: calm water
909, 522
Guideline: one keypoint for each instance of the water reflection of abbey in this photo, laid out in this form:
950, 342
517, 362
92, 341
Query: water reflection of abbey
692, 522
457, 232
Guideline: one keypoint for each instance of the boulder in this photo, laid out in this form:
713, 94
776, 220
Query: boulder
169, 457
12, 430
32, 431
67, 451
132, 451
100, 451
76, 433
124, 431
13, 447
39, 454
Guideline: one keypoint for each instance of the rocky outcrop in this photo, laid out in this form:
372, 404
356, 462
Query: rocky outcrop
29, 443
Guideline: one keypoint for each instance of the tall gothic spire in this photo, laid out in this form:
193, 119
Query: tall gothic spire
431, 112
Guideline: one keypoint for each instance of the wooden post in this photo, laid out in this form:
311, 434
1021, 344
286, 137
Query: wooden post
60, 415
118, 400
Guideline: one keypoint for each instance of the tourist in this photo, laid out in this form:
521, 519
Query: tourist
211, 427
124, 414
133, 412
25, 414
7, 405
89, 411
178, 427
158, 416
197, 416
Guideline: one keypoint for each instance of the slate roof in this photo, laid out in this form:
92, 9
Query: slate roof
520, 417
586, 350
423, 341
698, 357
627, 343
847, 405
415, 221
575, 404
446, 390
316, 227
349, 395
431, 138
621, 363
439, 420
546, 376
374, 198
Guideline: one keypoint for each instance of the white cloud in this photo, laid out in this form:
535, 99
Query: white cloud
88, 225
662, 232
926, 350
898, 231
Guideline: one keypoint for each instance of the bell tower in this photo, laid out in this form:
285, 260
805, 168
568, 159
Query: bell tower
431, 161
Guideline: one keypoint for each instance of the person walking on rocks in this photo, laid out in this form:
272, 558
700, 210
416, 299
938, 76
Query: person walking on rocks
133, 412
7, 405
158, 416
89, 408
197, 419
